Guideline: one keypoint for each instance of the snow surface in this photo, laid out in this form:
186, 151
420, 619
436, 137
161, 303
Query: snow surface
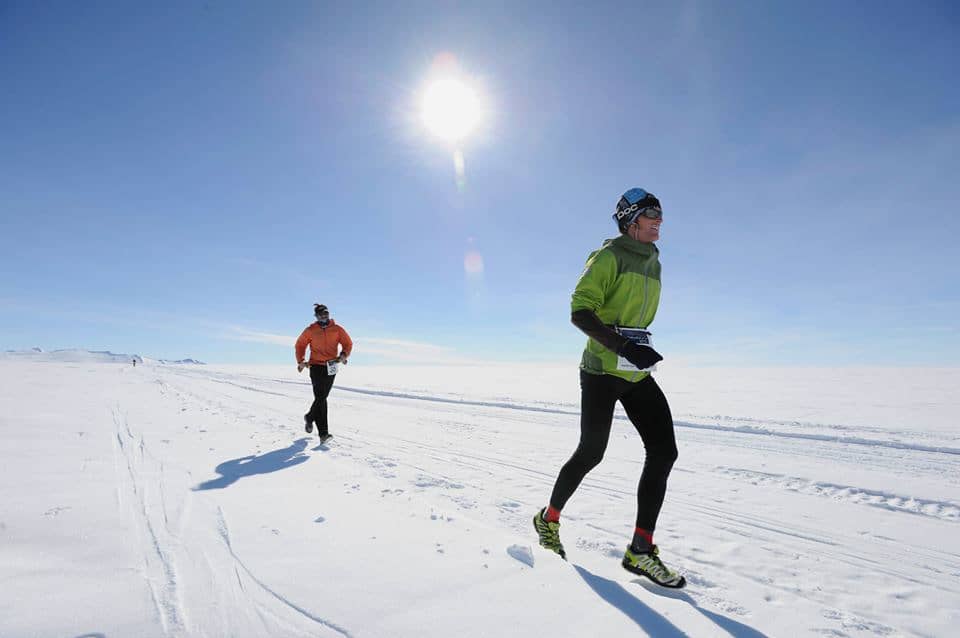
188, 501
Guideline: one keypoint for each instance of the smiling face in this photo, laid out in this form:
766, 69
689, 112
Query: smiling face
645, 229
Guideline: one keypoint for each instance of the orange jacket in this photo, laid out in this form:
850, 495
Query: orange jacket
323, 342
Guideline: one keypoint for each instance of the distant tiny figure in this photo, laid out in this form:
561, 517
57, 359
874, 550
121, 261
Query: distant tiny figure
134, 363
324, 337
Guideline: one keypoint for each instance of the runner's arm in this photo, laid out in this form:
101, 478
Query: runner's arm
590, 324
598, 276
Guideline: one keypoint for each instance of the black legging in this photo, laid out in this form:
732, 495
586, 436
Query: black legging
322, 382
649, 412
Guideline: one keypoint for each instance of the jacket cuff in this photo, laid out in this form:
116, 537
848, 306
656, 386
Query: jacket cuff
590, 324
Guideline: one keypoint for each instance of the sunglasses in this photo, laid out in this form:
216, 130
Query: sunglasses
650, 212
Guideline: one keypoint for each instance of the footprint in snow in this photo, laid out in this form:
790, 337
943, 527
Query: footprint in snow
429, 481
605, 547
521, 553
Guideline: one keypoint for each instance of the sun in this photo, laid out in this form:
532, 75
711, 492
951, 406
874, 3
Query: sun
451, 109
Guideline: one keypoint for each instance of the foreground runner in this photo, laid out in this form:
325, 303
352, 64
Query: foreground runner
324, 337
614, 302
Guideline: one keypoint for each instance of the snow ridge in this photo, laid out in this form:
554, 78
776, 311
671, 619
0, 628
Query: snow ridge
944, 510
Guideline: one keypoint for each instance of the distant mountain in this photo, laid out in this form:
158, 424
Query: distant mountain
71, 355
77, 355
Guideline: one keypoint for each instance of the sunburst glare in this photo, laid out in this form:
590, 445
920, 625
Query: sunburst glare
452, 105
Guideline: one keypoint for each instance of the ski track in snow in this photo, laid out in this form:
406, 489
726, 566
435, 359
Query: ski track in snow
747, 426
945, 510
225, 536
159, 567
179, 558
414, 465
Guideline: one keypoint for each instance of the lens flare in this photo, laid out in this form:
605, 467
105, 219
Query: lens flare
473, 263
459, 168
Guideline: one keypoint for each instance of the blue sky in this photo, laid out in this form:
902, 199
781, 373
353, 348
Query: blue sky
187, 178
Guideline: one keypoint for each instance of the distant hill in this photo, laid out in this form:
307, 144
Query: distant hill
85, 356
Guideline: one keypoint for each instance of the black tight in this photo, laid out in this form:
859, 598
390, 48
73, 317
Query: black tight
647, 409
322, 382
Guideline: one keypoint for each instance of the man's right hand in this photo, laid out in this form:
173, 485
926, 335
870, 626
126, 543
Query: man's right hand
640, 356
300, 366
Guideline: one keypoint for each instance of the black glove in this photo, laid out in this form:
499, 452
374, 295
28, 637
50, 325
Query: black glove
640, 356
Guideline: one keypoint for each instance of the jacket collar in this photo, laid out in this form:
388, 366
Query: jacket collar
630, 244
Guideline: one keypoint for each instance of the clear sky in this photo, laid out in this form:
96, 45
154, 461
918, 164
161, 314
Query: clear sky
185, 179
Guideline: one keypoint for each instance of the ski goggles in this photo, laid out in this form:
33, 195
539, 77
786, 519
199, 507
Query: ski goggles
630, 214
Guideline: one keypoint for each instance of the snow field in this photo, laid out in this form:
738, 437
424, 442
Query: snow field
188, 501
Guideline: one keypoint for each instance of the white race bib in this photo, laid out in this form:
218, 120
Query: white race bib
332, 367
640, 337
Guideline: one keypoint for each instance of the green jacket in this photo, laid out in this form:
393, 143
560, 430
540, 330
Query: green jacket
621, 284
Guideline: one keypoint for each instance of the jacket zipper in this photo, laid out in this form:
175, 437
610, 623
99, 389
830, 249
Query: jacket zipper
324, 333
643, 309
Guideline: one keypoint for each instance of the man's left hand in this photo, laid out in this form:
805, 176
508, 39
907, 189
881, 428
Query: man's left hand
641, 356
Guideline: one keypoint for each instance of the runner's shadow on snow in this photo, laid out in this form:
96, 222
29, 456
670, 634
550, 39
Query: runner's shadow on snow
614, 593
731, 626
235, 469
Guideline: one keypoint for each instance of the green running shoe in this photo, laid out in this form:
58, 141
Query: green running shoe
549, 534
649, 564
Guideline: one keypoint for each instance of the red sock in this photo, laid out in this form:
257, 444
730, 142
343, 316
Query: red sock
644, 535
552, 515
